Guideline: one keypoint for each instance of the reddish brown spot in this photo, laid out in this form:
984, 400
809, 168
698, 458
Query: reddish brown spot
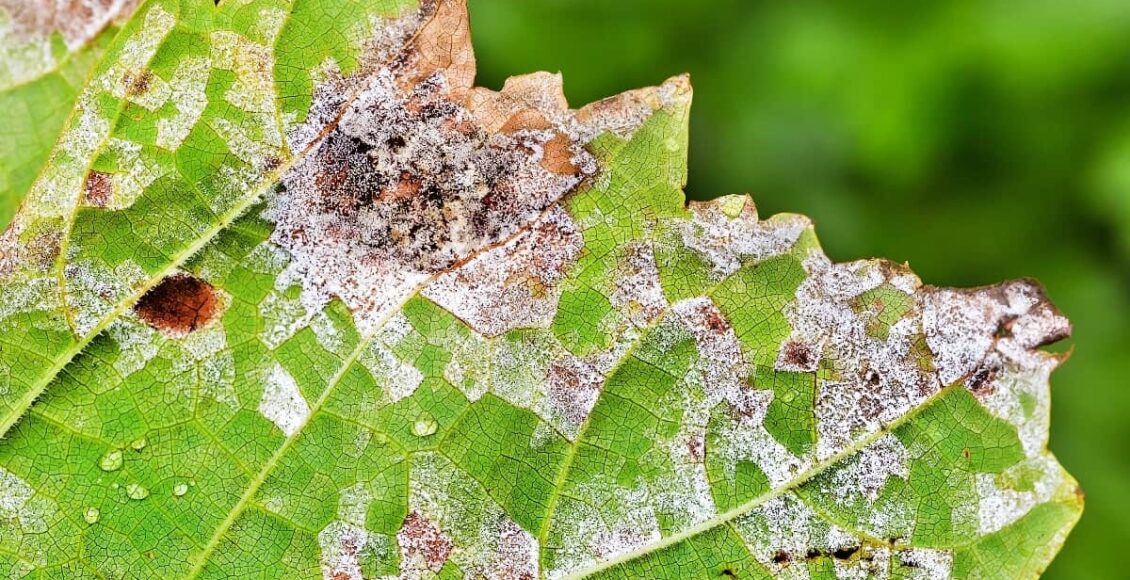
798, 355
342, 576
871, 406
965, 453
178, 305
98, 188
573, 386
420, 537
715, 323
696, 446
272, 163
138, 83
981, 381
781, 557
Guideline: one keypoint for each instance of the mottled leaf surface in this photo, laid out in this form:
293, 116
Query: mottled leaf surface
288, 296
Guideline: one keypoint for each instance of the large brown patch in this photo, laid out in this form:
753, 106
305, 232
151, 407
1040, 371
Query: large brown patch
178, 305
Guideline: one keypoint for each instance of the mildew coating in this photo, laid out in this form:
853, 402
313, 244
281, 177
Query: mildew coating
413, 172
178, 305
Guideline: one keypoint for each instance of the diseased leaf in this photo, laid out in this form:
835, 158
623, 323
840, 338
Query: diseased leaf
291, 297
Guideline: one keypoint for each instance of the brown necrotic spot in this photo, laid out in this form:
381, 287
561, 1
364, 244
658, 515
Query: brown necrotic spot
98, 188
138, 83
178, 305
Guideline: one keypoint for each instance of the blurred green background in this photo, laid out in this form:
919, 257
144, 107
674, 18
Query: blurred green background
978, 141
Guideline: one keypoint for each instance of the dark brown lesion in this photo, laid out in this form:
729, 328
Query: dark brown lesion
178, 305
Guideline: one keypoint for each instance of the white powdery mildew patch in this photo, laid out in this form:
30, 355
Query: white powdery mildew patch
723, 375
343, 254
637, 288
572, 386
345, 542
206, 363
857, 485
685, 495
344, 546
875, 381
1000, 506
785, 525
254, 92
726, 230
139, 172
515, 556
925, 563
514, 286
187, 91
623, 114
1012, 380
518, 366
329, 335
470, 367
398, 378
486, 543
961, 326
137, 345
92, 290
868, 471
282, 316
20, 502
625, 521
282, 402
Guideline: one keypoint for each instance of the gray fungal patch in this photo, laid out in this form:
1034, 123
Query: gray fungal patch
407, 185
407, 172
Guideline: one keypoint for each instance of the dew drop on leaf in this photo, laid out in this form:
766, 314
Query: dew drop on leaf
424, 426
137, 491
180, 489
111, 461
139, 444
91, 515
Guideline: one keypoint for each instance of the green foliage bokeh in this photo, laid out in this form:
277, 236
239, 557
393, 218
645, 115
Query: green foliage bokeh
977, 140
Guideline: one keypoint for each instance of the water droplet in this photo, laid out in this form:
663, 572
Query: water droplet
180, 489
91, 516
425, 425
139, 444
136, 491
111, 461
380, 439
192, 483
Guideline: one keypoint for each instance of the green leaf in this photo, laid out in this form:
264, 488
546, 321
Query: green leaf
291, 297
